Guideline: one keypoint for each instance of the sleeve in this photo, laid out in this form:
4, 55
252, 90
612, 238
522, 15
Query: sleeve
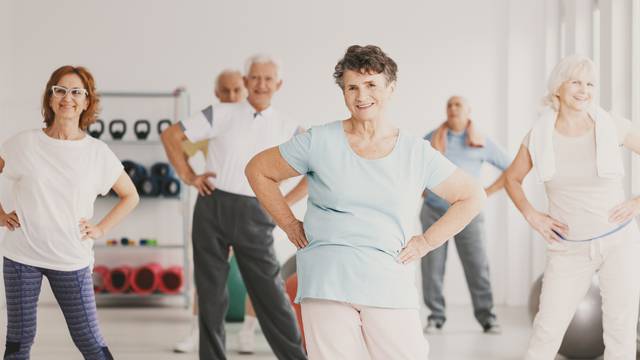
437, 167
111, 170
205, 124
623, 128
297, 151
496, 156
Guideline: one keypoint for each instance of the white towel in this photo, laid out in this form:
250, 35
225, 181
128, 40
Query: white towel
608, 159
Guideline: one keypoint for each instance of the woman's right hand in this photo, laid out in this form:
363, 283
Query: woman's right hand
201, 182
549, 228
295, 233
10, 220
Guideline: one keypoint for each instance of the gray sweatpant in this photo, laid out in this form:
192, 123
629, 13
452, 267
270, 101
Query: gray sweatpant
470, 243
221, 220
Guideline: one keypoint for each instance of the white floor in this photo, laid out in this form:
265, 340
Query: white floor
149, 333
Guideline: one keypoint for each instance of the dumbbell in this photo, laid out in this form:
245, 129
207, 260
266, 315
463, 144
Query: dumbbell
117, 129
136, 172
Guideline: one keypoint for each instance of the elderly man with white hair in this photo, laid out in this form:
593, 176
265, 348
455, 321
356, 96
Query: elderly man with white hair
227, 213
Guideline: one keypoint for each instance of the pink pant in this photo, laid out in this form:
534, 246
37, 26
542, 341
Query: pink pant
337, 330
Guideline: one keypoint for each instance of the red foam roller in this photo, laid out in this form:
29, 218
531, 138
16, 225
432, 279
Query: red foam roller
118, 279
171, 280
291, 286
99, 276
146, 279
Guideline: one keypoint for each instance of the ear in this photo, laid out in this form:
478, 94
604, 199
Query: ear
279, 85
216, 93
245, 81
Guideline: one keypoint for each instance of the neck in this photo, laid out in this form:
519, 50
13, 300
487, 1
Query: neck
369, 129
572, 117
457, 126
65, 129
258, 106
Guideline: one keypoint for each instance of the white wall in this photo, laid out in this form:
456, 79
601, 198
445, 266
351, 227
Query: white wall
442, 48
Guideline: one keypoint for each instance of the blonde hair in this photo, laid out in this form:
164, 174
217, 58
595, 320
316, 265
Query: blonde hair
565, 70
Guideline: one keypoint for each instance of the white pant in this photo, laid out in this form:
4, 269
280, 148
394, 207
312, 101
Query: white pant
337, 330
567, 278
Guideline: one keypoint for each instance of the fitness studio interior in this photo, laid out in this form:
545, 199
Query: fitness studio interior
162, 130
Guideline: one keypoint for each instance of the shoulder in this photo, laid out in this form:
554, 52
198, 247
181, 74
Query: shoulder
22, 137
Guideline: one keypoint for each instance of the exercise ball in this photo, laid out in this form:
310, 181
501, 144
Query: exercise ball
237, 293
583, 338
291, 285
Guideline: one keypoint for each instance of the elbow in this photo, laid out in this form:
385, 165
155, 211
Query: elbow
251, 170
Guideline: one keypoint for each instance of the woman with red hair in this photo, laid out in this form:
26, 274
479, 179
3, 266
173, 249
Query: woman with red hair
56, 174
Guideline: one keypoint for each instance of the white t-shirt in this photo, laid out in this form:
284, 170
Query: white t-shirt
54, 185
237, 133
577, 196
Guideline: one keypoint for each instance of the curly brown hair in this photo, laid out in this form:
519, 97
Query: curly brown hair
368, 59
88, 116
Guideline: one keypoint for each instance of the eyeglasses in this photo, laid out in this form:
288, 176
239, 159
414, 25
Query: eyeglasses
76, 93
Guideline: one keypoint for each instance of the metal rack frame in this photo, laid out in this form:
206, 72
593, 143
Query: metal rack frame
181, 110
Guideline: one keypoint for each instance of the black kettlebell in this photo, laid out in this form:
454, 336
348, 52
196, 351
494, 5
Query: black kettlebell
163, 124
117, 134
96, 133
142, 128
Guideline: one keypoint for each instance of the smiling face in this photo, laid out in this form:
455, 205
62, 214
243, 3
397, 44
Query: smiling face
69, 106
262, 82
577, 92
366, 95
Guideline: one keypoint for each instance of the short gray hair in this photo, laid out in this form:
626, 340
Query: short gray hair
568, 67
262, 59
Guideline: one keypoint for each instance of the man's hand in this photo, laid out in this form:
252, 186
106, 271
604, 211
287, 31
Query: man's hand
201, 182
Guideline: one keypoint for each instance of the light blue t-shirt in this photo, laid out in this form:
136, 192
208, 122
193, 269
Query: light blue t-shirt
359, 216
469, 159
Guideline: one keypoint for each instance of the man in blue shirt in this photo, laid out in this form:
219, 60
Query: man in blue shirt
459, 141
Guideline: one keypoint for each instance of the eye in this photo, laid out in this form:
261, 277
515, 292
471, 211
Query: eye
372, 85
77, 91
59, 90
590, 84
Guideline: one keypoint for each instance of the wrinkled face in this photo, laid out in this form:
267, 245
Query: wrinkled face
366, 95
230, 88
262, 82
577, 92
73, 103
457, 111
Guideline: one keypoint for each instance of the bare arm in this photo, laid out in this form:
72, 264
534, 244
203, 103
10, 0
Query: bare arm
298, 192
496, 186
128, 200
8, 220
466, 197
264, 172
172, 138
628, 209
544, 224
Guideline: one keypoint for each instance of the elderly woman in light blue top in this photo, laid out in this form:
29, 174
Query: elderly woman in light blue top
356, 252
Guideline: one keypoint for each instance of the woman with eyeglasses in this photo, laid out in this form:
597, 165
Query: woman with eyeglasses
56, 174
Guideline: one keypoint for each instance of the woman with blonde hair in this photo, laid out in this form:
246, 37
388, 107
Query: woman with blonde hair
574, 149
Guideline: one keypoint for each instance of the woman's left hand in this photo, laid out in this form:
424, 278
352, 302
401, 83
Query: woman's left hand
625, 211
89, 231
416, 248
